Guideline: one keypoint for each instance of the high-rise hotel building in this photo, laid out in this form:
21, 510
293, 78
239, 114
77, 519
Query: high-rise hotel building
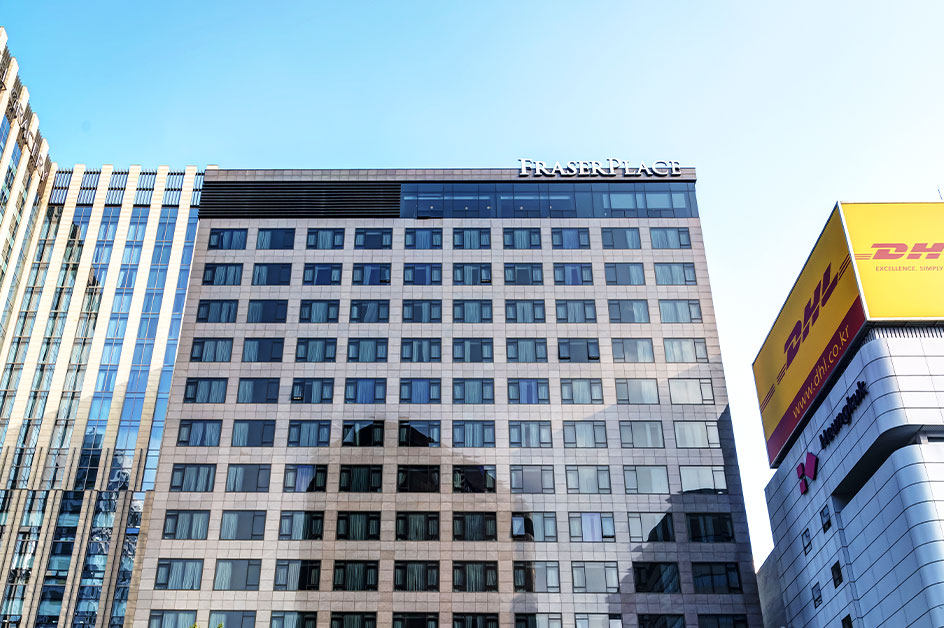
468, 398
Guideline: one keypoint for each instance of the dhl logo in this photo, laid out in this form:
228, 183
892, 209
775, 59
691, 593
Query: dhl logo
899, 250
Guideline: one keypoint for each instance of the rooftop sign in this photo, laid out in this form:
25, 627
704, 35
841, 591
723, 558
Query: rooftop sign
611, 167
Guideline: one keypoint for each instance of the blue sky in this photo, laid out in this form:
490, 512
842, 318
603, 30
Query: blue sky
784, 108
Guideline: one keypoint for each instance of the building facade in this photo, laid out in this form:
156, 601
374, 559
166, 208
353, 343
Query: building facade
447, 397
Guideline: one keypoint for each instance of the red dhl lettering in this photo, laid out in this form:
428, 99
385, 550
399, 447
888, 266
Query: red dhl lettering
899, 250
801, 329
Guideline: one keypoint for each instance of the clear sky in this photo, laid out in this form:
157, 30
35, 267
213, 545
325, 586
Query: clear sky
784, 108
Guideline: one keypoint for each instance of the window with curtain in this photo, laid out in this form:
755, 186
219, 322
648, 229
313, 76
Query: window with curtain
471, 274
585, 434
651, 527
472, 311
605, 620
592, 527
312, 390
356, 575
420, 390
271, 274
566, 238
211, 350
190, 478
316, 349
416, 620
301, 525
325, 239
521, 238
248, 478
576, 311
675, 274
624, 274
172, 619
417, 526
370, 311
367, 350
536, 576
222, 274
227, 239
360, 478
237, 575
258, 390
656, 577
362, 433
278, 239
621, 238
205, 390
422, 274
297, 575
633, 350
628, 310
574, 391
474, 526
321, 275
646, 479
186, 525
686, 350
217, 310
588, 479
242, 525
540, 527
532, 478
473, 433
293, 619
267, 311
417, 478
353, 620
573, 274
680, 311
696, 434
476, 620
365, 390
526, 349
318, 311
419, 433
263, 349
710, 528
578, 350
256, 433
199, 433
471, 239
528, 391
305, 478
178, 574
670, 238
373, 238
415, 576
370, 274
473, 479
595, 577
641, 434
539, 620
422, 311
474, 577
421, 350
637, 391
703, 479
423, 239
358, 526
529, 434
524, 275
683, 391
473, 391
233, 619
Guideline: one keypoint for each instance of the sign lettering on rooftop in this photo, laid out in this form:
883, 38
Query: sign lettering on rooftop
611, 167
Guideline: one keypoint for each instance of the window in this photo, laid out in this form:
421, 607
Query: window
529, 434
675, 274
373, 238
370, 311
312, 390
621, 238
532, 478
186, 525
364, 433
656, 577
293, 619
227, 239
637, 391
696, 434
355, 575
592, 527
526, 350
716, 577
518, 311
523, 275
271, 274
595, 577
599, 620
242, 525
470, 391
237, 575
271, 311
305, 478
703, 479
472, 350
574, 391
680, 311
171, 619
641, 434
233, 619
686, 350
423, 239
421, 350
420, 390
360, 478
846, 622
471, 239
205, 390
474, 526
263, 349
322, 275
192, 478
415, 576
836, 570
365, 390
473, 478
825, 518
651, 527
371, 274
628, 310
414, 433
422, 311
538, 620
301, 525
255, 433
199, 433
634, 350
817, 595
691, 391
540, 527
367, 350
275, 239
670, 238
473, 433
417, 526
324, 239
178, 574
807, 541
528, 391
211, 350
318, 311
521, 238
474, 577
465, 311
471, 274
417, 478
353, 620
316, 349
248, 478
563, 238
573, 275
710, 528
571, 311
731, 621
297, 575
358, 526
217, 310
588, 479
258, 390
536, 576
651, 480
475, 620
222, 274
578, 350
422, 274
417, 620
585, 434
624, 274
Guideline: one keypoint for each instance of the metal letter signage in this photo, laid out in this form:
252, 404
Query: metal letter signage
845, 415
611, 167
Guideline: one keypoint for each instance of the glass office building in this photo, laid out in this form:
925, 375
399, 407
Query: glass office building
447, 397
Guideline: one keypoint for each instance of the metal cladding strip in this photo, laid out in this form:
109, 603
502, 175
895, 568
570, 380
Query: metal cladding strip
284, 199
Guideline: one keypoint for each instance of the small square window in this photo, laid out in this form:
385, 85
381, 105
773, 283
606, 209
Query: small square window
837, 574
817, 595
807, 541
825, 518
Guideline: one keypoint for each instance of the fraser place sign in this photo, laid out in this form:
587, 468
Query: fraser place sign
611, 167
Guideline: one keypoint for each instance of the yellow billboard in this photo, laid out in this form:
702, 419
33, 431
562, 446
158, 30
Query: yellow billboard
817, 324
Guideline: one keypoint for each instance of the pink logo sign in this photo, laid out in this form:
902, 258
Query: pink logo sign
806, 470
